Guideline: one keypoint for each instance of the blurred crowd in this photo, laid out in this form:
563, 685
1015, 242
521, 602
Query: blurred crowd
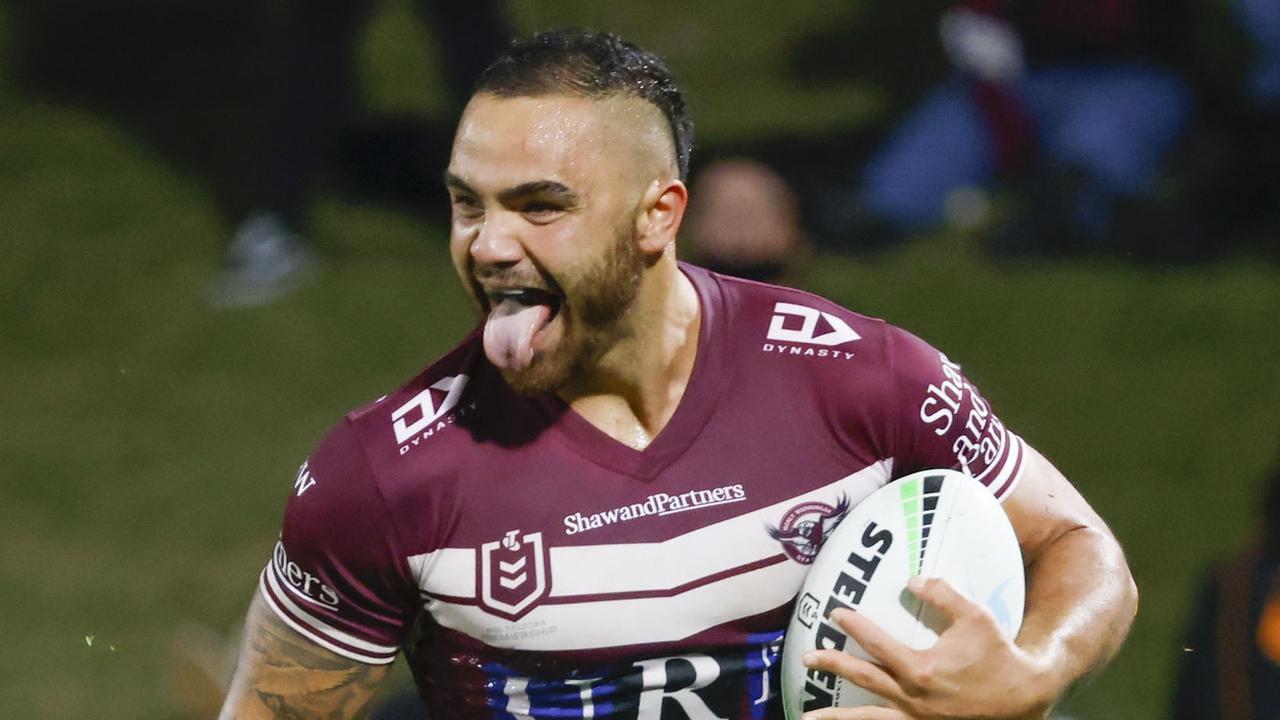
1140, 129
1144, 130
315, 121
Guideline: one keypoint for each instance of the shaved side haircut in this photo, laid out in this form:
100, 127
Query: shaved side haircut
583, 63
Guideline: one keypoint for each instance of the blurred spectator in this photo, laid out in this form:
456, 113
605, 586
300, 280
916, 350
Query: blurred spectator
1077, 101
1233, 160
316, 98
745, 222
1261, 22
1230, 657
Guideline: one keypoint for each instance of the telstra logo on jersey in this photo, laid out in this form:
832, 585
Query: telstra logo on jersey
429, 416
515, 573
793, 340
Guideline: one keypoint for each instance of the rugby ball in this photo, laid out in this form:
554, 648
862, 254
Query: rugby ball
936, 523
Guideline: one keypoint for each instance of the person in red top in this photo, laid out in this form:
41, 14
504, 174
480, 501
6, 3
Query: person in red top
602, 502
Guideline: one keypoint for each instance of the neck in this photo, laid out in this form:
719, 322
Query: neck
633, 389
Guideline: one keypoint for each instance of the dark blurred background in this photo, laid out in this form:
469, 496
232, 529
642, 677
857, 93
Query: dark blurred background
158, 389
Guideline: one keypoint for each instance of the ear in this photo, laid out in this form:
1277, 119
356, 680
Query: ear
661, 210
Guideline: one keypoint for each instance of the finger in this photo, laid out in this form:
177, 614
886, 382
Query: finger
866, 675
884, 648
859, 713
943, 596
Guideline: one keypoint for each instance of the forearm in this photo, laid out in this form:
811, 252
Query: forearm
1081, 601
282, 675
1081, 598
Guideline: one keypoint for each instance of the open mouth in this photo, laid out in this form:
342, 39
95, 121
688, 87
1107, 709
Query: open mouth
526, 297
516, 317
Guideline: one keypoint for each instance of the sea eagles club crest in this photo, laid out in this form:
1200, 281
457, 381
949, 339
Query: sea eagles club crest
806, 526
514, 574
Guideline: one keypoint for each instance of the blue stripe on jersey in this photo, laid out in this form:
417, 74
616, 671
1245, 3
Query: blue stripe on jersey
763, 653
516, 697
746, 679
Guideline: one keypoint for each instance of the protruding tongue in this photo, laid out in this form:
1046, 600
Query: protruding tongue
508, 334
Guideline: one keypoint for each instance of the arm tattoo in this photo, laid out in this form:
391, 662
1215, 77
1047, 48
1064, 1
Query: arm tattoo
285, 676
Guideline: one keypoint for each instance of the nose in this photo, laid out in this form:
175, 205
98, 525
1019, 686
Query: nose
497, 243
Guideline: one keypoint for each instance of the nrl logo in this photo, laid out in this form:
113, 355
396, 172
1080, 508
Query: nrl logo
514, 574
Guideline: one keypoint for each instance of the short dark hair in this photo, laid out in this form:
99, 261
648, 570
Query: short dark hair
584, 63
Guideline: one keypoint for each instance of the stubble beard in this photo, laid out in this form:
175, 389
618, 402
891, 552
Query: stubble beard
601, 295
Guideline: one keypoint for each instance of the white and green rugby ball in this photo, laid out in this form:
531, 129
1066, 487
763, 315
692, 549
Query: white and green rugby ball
936, 523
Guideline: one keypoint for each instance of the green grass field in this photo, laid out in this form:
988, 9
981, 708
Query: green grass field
149, 442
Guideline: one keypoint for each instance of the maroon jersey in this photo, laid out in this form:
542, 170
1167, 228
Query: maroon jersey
530, 566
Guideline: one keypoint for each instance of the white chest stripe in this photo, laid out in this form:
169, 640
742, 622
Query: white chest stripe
666, 590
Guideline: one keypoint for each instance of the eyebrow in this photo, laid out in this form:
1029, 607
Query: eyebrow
456, 183
535, 187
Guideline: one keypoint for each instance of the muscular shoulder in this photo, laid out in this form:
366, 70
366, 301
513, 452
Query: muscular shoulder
877, 389
370, 464
340, 572
405, 419
782, 333
773, 320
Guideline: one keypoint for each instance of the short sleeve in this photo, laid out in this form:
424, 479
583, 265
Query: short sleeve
942, 421
336, 574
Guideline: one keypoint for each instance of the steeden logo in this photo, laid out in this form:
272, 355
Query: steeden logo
815, 328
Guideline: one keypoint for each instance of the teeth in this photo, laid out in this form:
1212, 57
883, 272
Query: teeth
524, 296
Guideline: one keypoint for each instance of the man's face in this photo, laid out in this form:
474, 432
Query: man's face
545, 195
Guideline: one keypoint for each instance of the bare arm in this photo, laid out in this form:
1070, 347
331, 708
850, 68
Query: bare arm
1081, 601
1081, 598
282, 675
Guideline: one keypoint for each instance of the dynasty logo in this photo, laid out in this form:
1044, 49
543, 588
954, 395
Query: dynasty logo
421, 417
818, 333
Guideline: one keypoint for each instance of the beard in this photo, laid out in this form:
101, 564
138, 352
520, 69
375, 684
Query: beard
596, 298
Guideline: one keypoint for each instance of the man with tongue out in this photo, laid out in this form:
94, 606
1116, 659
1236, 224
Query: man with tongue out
589, 508
565, 215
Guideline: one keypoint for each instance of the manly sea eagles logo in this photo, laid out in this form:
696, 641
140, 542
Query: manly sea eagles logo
515, 573
806, 526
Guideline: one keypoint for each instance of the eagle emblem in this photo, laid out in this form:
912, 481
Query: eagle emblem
805, 527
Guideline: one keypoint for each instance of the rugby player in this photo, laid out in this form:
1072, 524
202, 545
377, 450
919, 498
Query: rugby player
602, 502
